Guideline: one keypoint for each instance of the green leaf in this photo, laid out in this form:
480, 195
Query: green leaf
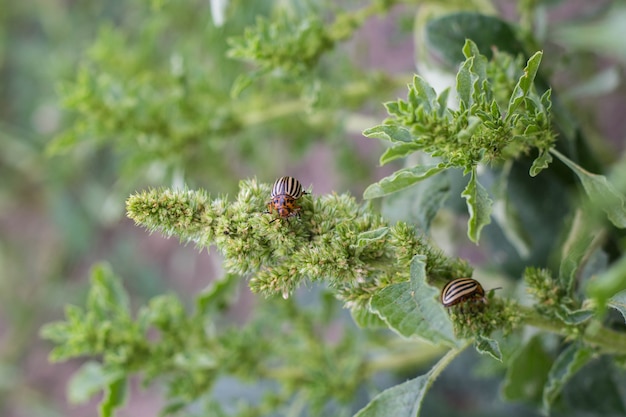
618, 302
485, 345
420, 203
401, 179
371, 236
405, 400
365, 319
527, 373
597, 389
218, 294
575, 249
574, 317
426, 94
392, 133
608, 284
115, 396
413, 309
448, 34
107, 295
89, 380
540, 163
570, 361
524, 84
442, 102
600, 191
399, 151
465, 84
478, 206
193, 360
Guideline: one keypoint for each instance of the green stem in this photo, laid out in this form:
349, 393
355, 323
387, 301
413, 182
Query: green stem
606, 340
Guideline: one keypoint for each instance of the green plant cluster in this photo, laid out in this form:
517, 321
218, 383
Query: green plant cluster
191, 351
335, 241
501, 130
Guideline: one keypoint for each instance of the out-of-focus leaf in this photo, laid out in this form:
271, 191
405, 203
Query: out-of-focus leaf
90, 379
365, 319
527, 373
570, 361
217, 295
405, 400
602, 35
115, 395
600, 191
447, 35
596, 389
574, 249
618, 302
107, 295
420, 203
608, 284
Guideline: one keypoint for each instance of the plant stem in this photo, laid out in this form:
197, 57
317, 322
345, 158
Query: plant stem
606, 340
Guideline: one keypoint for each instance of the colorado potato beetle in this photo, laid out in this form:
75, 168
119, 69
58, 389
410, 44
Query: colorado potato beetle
461, 289
285, 192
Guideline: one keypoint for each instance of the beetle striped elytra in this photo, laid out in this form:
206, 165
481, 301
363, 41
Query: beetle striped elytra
461, 289
285, 192
287, 186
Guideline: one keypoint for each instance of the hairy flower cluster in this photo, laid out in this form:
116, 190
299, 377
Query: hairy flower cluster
335, 240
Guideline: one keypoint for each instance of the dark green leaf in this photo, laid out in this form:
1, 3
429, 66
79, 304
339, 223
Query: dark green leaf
600, 191
478, 206
565, 366
596, 389
400, 179
447, 36
413, 309
527, 373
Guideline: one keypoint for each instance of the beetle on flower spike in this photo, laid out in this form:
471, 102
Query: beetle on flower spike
285, 192
461, 289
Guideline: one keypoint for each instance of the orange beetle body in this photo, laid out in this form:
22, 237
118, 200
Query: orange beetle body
285, 192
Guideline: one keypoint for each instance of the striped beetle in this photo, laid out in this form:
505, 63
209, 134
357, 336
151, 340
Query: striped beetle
461, 289
285, 192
